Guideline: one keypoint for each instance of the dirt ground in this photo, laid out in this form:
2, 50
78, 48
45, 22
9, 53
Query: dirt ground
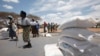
95, 29
91, 29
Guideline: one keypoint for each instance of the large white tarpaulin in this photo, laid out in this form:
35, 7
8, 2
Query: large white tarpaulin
76, 40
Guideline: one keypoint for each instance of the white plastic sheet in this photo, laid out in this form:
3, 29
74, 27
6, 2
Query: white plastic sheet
95, 39
77, 33
82, 23
52, 50
80, 45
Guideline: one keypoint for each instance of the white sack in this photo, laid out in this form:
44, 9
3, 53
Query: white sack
82, 23
52, 50
48, 35
3, 29
95, 39
5, 34
68, 50
77, 33
80, 45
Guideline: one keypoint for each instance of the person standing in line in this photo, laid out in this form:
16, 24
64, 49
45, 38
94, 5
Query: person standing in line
45, 28
56, 26
49, 27
24, 22
37, 28
33, 27
12, 29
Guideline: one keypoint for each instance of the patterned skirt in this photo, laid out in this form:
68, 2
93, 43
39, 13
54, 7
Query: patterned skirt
12, 33
26, 33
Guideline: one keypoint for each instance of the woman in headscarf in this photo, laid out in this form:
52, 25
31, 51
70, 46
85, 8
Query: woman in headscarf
12, 29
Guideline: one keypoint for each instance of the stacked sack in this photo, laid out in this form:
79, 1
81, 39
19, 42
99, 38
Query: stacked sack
4, 33
74, 37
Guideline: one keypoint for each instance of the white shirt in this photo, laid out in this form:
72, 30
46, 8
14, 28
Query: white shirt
26, 21
33, 23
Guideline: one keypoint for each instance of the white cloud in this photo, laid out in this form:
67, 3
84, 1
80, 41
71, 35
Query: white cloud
46, 7
39, 2
51, 1
81, 4
61, 3
51, 17
7, 6
65, 10
96, 12
59, 17
41, 9
32, 11
14, 1
71, 14
59, 13
96, 7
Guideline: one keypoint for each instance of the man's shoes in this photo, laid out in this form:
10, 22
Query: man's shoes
27, 46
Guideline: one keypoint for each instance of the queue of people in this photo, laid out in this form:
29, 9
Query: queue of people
47, 28
51, 27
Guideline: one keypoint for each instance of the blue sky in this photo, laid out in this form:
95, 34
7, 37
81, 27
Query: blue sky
57, 11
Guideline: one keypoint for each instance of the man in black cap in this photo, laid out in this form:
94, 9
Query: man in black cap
24, 22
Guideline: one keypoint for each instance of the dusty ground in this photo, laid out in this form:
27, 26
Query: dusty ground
9, 48
95, 29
